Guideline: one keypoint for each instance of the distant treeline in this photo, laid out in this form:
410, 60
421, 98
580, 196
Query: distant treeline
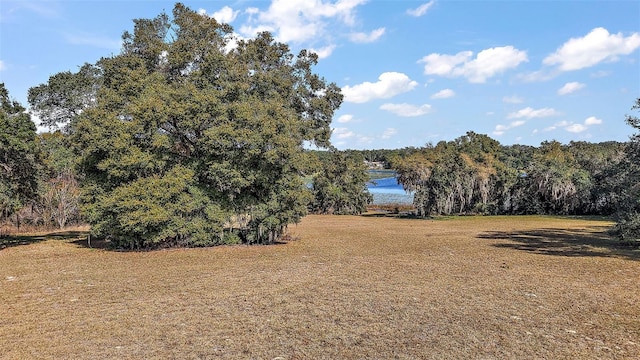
386, 157
475, 174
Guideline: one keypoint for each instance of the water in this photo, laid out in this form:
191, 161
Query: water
388, 191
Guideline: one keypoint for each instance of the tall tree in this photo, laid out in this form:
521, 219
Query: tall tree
18, 155
460, 176
340, 187
601, 163
628, 215
554, 181
191, 142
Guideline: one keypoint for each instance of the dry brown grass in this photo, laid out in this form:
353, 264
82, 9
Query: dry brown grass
350, 287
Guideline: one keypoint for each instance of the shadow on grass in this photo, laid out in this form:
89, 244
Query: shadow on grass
591, 242
93, 243
103, 244
393, 214
17, 240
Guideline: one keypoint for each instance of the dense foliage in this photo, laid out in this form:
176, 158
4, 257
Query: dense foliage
628, 181
340, 187
18, 156
475, 174
38, 182
65, 96
194, 142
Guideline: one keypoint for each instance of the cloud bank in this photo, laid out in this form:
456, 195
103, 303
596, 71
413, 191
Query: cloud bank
595, 47
487, 63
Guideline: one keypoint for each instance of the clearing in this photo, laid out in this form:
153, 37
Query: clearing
349, 287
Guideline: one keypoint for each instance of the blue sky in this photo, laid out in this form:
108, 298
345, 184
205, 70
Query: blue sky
412, 72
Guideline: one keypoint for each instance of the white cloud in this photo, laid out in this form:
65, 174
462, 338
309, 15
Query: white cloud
570, 87
2, 66
226, 15
562, 123
576, 128
500, 129
324, 52
252, 10
592, 120
342, 133
443, 94
363, 139
512, 99
530, 113
345, 118
443, 65
367, 38
389, 84
487, 63
407, 110
344, 137
595, 47
299, 21
422, 9
93, 40
537, 76
389, 132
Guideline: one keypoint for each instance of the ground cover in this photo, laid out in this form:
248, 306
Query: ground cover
345, 287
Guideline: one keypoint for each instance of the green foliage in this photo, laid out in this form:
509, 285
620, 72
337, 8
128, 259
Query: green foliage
555, 181
340, 187
18, 155
460, 176
474, 174
65, 96
628, 215
193, 143
159, 210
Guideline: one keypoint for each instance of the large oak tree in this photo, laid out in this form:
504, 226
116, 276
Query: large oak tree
196, 138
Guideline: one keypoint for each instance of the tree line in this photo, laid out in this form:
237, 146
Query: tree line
475, 174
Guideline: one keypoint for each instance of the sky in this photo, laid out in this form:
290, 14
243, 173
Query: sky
412, 72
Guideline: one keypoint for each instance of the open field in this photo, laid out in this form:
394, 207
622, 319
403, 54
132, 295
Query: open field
349, 287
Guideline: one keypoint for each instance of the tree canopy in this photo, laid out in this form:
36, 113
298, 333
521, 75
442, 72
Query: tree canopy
18, 155
628, 214
194, 141
340, 185
475, 174
65, 96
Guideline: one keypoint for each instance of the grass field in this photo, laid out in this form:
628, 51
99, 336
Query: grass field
349, 287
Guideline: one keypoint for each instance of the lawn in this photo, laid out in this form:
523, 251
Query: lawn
345, 287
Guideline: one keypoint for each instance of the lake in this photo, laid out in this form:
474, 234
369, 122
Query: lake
385, 189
